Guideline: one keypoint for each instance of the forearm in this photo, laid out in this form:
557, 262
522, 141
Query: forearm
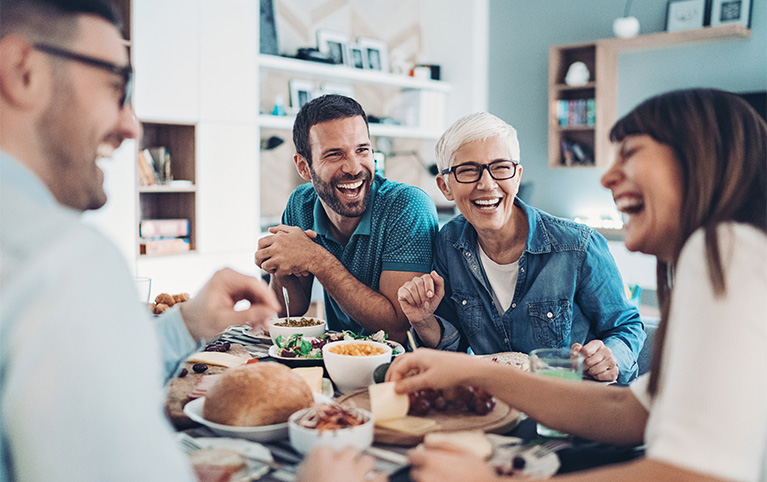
638, 471
429, 331
364, 305
586, 409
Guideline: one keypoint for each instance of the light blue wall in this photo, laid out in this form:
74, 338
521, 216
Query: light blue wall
521, 32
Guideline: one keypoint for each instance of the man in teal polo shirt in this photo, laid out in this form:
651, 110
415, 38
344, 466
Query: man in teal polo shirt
361, 235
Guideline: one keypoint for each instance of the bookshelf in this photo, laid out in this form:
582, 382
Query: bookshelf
601, 58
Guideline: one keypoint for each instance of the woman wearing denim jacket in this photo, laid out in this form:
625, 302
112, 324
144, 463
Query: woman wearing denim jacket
510, 277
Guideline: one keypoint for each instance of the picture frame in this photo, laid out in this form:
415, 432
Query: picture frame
726, 12
376, 54
301, 92
333, 44
685, 15
357, 57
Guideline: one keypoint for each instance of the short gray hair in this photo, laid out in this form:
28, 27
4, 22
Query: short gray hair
474, 127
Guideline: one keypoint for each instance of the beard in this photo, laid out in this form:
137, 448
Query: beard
333, 199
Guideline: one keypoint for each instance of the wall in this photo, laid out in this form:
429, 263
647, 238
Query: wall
521, 32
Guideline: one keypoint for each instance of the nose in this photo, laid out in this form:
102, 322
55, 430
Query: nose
352, 164
127, 124
613, 175
485, 181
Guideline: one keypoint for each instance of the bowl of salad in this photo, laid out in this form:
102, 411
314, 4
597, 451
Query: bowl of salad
302, 350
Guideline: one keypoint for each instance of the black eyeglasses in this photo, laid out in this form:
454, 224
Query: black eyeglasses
472, 172
125, 71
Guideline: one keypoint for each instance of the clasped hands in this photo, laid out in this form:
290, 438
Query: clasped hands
287, 251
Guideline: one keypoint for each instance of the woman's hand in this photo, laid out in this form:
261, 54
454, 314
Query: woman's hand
420, 297
598, 360
427, 368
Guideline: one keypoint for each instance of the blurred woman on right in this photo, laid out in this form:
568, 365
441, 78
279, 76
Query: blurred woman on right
691, 178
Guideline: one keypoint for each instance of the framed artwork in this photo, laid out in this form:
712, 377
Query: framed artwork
301, 92
376, 54
685, 15
334, 45
724, 12
357, 58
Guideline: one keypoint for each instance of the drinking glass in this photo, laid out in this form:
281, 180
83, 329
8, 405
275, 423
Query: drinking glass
144, 287
556, 362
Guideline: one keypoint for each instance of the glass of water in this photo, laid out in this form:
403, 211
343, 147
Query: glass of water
560, 363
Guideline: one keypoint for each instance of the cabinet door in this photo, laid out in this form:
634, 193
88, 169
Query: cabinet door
228, 52
166, 46
227, 193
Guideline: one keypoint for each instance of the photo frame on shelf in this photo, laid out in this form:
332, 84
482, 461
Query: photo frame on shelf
356, 57
301, 92
376, 53
726, 12
685, 15
334, 45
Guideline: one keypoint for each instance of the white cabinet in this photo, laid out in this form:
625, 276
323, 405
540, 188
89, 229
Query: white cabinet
166, 56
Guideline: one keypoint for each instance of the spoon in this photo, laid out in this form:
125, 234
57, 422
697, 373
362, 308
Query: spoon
287, 301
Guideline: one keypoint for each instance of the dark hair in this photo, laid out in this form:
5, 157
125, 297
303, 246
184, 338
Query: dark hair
43, 20
721, 145
322, 109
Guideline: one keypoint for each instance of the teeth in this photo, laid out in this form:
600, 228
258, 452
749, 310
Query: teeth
353, 185
105, 150
487, 203
629, 204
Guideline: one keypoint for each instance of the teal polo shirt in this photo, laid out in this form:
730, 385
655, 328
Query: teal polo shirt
396, 233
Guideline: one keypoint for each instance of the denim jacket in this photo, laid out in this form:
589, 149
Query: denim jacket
568, 290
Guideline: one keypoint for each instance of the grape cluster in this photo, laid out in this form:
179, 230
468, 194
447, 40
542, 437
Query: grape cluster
467, 398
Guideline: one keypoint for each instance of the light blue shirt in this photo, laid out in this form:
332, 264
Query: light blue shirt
396, 233
81, 369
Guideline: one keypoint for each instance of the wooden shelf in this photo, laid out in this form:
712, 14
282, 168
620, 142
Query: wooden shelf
341, 72
601, 58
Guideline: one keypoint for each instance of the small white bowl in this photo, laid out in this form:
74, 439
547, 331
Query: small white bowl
286, 331
305, 439
352, 372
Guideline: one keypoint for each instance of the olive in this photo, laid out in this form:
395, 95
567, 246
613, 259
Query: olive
183, 373
379, 374
199, 367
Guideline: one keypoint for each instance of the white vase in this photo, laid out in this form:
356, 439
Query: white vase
626, 27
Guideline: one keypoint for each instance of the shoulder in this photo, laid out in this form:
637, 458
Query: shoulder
302, 194
395, 199
739, 244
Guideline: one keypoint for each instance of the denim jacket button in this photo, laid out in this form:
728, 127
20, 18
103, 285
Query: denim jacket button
463, 302
522, 269
549, 315
468, 255
513, 305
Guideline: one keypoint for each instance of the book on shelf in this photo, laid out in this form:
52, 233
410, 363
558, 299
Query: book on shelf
160, 246
160, 159
151, 228
576, 113
145, 170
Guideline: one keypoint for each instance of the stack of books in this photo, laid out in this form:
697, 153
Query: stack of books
164, 236
154, 166
577, 113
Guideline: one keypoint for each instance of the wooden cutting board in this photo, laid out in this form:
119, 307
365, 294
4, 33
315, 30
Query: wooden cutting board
500, 420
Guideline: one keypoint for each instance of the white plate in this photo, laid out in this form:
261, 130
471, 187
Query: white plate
263, 433
246, 448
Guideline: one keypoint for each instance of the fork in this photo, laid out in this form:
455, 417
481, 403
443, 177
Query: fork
287, 302
189, 445
551, 446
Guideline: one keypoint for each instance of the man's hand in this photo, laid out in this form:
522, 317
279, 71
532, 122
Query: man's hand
211, 311
598, 360
288, 251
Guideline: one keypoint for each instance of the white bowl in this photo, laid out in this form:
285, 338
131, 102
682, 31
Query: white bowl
286, 331
305, 439
351, 372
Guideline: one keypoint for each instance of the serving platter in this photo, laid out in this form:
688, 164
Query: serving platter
499, 420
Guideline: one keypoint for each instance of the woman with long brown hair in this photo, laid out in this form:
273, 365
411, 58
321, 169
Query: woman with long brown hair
690, 177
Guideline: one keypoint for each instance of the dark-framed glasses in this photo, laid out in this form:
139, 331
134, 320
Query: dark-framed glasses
124, 71
499, 170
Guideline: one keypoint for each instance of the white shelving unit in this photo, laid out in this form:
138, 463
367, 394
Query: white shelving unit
376, 130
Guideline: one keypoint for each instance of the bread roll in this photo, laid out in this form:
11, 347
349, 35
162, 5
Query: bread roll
254, 395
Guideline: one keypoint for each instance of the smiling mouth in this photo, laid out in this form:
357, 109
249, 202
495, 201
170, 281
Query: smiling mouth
350, 189
105, 151
629, 205
487, 204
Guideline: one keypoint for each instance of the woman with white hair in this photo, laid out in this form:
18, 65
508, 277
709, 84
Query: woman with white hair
510, 277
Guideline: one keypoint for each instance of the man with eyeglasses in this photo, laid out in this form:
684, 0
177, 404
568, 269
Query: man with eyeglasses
510, 277
82, 362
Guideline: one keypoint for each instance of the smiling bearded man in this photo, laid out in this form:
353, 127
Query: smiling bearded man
360, 235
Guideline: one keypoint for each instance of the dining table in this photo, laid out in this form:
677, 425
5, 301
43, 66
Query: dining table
573, 453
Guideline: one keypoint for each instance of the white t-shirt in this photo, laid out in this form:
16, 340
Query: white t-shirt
710, 412
81, 379
503, 280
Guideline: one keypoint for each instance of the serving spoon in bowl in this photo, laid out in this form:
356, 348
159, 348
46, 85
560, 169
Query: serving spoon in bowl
287, 302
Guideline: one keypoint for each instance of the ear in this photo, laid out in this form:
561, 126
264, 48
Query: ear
302, 166
24, 78
442, 185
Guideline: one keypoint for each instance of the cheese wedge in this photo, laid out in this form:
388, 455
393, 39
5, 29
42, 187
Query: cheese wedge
409, 425
385, 403
472, 441
217, 358
312, 376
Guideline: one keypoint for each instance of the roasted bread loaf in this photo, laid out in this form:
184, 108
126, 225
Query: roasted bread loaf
254, 395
